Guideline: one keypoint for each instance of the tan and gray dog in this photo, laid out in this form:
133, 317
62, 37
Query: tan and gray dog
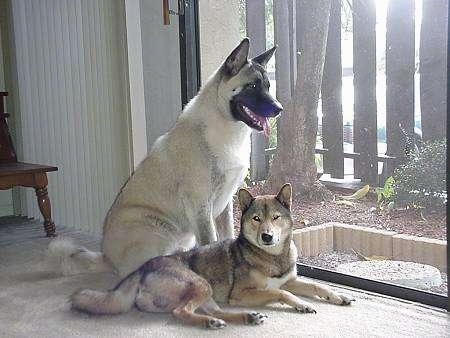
257, 268
181, 194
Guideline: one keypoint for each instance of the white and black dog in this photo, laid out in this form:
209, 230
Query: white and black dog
181, 194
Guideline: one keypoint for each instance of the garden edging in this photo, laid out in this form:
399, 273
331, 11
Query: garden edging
311, 241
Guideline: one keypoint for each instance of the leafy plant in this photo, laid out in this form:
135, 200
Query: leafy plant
318, 160
421, 182
385, 195
273, 132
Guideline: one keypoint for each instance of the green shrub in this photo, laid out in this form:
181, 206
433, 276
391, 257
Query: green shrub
273, 132
421, 182
385, 195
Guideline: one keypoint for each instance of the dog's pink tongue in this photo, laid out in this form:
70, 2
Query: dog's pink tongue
265, 124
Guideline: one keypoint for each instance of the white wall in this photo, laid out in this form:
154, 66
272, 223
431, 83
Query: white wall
71, 92
161, 66
219, 33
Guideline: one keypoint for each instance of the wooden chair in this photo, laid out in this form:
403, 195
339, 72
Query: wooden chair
14, 173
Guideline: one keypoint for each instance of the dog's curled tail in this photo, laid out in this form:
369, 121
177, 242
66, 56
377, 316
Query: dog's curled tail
68, 258
115, 301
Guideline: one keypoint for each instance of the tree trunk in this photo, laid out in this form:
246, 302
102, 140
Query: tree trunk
294, 160
283, 72
292, 43
433, 66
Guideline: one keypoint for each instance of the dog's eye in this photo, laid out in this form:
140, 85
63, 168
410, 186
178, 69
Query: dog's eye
252, 85
276, 217
256, 218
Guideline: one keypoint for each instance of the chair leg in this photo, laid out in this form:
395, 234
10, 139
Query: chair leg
46, 210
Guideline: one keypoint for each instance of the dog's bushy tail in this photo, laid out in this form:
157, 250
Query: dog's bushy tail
66, 257
115, 301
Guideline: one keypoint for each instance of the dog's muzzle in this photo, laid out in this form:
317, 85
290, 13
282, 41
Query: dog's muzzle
254, 107
267, 239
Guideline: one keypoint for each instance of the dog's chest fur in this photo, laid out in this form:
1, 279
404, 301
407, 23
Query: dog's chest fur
261, 270
277, 282
230, 147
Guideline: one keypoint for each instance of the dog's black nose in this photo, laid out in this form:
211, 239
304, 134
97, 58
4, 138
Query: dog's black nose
278, 107
267, 238
274, 109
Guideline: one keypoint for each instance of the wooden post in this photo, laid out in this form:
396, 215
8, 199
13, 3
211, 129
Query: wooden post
364, 81
292, 44
433, 66
283, 58
332, 120
400, 68
256, 31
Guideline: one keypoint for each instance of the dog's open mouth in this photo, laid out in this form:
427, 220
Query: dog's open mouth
259, 123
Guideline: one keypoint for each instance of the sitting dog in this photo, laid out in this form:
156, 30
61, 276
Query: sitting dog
181, 195
256, 268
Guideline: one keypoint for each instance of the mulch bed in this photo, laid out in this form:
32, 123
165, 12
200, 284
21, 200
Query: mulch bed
364, 213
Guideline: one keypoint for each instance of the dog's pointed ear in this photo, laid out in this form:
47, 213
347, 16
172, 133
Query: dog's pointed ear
237, 59
285, 196
263, 58
245, 199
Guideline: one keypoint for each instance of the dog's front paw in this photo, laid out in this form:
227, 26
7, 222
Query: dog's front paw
255, 318
304, 308
215, 324
340, 299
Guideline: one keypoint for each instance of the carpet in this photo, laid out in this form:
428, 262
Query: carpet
34, 303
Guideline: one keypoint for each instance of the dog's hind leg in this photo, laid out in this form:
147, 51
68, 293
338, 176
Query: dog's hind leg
311, 289
194, 296
241, 317
170, 286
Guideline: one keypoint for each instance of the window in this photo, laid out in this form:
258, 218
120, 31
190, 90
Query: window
379, 115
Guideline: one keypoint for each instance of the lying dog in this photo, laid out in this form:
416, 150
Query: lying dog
257, 268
